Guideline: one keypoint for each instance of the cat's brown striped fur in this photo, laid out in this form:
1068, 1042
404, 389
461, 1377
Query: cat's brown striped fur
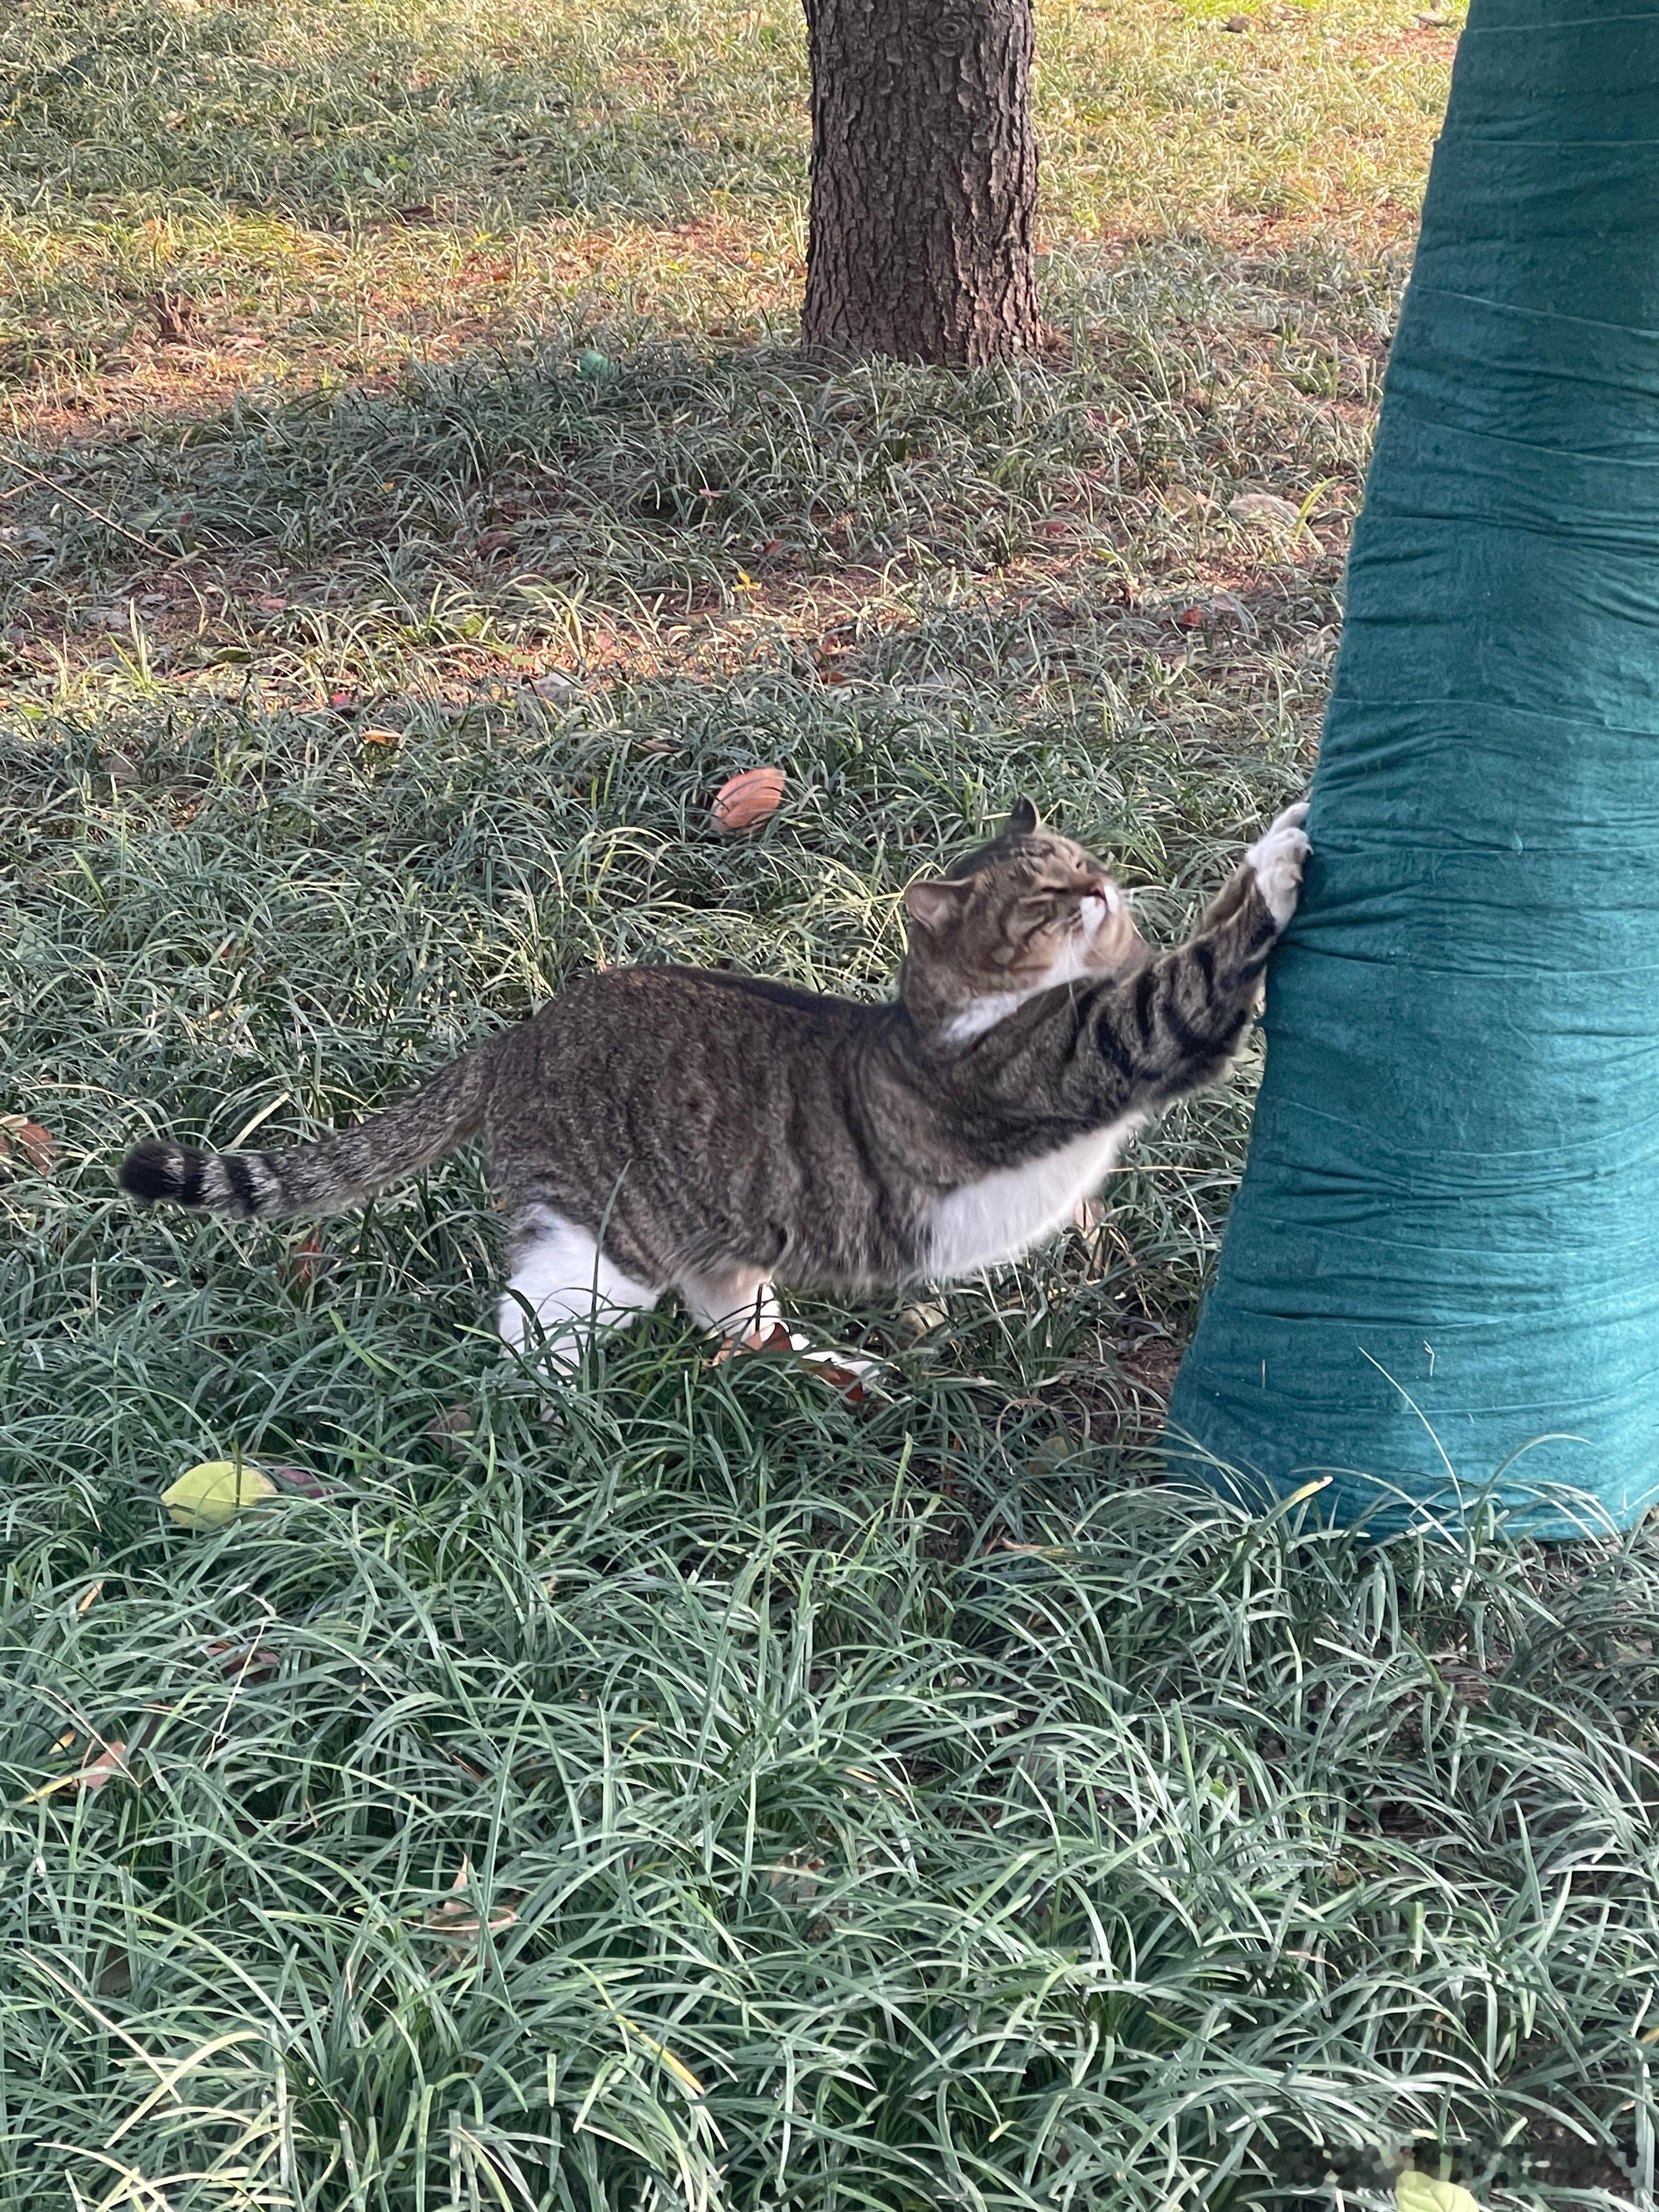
659, 1128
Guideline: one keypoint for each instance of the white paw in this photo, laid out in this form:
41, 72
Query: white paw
1277, 857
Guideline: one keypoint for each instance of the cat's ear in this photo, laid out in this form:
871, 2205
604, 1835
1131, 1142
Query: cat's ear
1022, 819
935, 905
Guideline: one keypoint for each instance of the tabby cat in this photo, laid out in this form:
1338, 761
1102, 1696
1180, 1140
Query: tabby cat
665, 1127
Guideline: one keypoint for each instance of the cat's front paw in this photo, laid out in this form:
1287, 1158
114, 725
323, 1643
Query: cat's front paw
1277, 860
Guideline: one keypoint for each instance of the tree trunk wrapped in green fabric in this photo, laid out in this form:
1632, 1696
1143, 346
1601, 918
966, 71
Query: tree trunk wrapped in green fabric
1445, 1251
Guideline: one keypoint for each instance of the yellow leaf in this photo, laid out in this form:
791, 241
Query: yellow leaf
1417, 2192
208, 1495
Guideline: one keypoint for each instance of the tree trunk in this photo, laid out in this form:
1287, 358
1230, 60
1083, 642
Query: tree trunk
1445, 1252
923, 178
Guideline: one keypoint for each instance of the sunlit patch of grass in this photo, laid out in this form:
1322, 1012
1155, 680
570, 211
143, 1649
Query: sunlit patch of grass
328, 188
1314, 117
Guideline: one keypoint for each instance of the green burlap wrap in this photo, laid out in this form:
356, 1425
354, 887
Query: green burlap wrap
1446, 1247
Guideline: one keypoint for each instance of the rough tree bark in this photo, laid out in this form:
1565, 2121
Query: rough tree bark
923, 178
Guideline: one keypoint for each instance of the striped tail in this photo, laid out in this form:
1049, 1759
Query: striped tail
338, 1170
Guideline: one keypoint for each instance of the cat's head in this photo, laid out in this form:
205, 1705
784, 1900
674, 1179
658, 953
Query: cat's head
1028, 911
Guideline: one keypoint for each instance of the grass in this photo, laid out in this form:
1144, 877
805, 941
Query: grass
731, 1796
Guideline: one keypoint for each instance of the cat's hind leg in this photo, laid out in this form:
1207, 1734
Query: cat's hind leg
744, 1307
563, 1284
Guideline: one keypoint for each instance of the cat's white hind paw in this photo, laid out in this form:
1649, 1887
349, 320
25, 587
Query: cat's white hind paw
1277, 858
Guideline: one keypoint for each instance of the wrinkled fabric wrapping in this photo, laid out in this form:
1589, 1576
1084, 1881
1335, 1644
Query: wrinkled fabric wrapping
1441, 1273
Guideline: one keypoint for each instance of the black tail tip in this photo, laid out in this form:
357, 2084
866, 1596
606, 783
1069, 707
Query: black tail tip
163, 1172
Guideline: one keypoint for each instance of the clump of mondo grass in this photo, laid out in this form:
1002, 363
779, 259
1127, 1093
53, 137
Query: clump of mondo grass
726, 1793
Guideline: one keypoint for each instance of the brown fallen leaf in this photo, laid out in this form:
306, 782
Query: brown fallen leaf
25, 1143
242, 1659
298, 1479
381, 736
303, 1263
850, 1385
111, 1759
743, 801
776, 1338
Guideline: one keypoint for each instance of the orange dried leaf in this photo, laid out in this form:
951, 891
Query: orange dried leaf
843, 1379
743, 802
242, 1659
26, 1144
112, 1761
303, 1263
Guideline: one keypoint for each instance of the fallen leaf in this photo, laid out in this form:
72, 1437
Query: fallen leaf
850, 1385
493, 541
91, 1597
300, 1479
1191, 618
744, 800
1417, 2192
1267, 510
110, 1761
273, 605
553, 684
774, 545
26, 1142
923, 1318
773, 1338
242, 1659
381, 736
208, 1495
303, 1263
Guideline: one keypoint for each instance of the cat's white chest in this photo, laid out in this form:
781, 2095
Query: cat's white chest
1004, 1215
